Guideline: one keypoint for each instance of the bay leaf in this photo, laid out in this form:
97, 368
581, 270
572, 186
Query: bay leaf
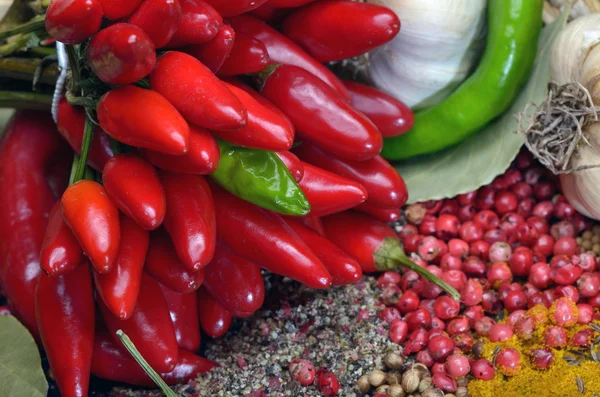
487, 154
21, 373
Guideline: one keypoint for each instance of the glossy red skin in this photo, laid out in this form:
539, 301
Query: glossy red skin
65, 316
282, 50
60, 251
190, 218
321, 115
385, 186
358, 235
183, 309
344, 269
71, 124
214, 53
265, 129
29, 144
293, 164
123, 114
329, 193
120, 287
73, 21
121, 54
314, 222
383, 214
117, 9
264, 238
133, 185
390, 116
289, 3
94, 220
214, 319
110, 361
195, 91
234, 282
160, 19
200, 23
162, 264
149, 328
337, 29
269, 13
230, 8
248, 56
261, 99
201, 158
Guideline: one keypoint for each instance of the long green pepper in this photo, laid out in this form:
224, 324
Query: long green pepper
259, 176
513, 30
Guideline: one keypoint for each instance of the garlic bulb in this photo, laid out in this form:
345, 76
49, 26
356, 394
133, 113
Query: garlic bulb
438, 45
576, 58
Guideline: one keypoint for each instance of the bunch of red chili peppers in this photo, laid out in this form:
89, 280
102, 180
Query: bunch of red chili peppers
194, 182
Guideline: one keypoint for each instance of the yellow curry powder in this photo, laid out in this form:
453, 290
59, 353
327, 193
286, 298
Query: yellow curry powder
558, 380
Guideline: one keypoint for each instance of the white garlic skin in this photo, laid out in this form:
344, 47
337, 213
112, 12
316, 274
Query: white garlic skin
439, 44
576, 58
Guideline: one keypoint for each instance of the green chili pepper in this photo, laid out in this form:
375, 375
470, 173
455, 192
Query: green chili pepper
259, 176
513, 30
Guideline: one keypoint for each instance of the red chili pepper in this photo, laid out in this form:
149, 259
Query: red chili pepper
344, 269
383, 214
282, 50
195, 91
184, 315
29, 144
374, 245
214, 319
119, 288
313, 222
149, 328
162, 264
269, 13
234, 282
160, 19
320, 114
391, 116
248, 56
71, 123
337, 29
124, 114
214, 53
65, 315
265, 130
289, 3
200, 23
73, 21
133, 185
201, 158
110, 361
329, 193
117, 9
385, 186
263, 237
261, 99
190, 218
229, 8
293, 163
60, 252
121, 54
94, 220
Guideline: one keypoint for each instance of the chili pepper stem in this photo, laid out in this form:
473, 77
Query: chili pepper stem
74, 66
390, 255
24, 100
261, 77
144, 364
35, 24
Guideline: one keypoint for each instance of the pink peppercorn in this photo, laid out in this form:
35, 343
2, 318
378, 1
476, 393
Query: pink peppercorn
302, 371
457, 365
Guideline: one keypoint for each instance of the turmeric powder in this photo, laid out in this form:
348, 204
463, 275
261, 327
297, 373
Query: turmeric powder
561, 379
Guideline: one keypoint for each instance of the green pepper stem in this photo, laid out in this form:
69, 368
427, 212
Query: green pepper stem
144, 364
25, 100
390, 255
35, 24
80, 167
261, 77
74, 66
25, 69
